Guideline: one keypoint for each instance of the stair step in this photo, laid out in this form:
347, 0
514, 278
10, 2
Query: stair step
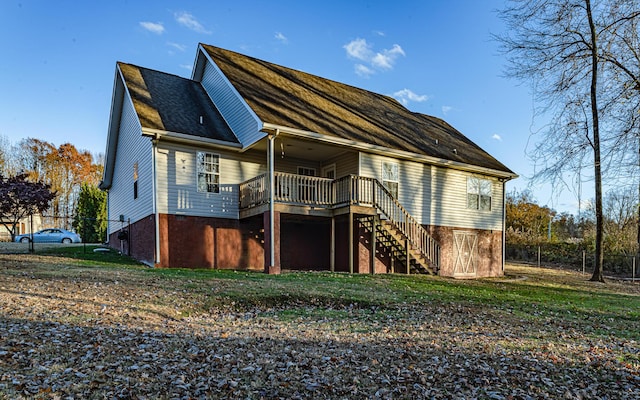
393, 239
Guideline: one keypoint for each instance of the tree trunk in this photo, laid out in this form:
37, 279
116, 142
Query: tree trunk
599, 257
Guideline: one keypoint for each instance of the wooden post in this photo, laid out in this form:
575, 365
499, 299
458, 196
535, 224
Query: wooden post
332, 251
350, 240
372, 256
392, 262
406, 248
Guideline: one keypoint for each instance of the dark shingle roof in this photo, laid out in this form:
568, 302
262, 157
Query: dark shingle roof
171, 103
295, 99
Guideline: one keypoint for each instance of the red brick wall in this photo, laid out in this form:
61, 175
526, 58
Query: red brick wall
141, 240
489, 250
201, 242
382, 264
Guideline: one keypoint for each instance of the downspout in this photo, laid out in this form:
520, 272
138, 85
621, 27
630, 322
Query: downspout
272, 188
154, 147
108, 219
504, 223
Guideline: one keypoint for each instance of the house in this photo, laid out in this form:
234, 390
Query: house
252, 165
24, 225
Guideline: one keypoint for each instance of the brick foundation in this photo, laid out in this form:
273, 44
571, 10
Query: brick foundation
141, 240
302, 243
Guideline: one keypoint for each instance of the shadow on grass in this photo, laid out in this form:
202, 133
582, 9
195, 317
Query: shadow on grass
225, 362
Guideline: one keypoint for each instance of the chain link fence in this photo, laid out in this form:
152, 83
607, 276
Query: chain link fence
27, 226
625, 266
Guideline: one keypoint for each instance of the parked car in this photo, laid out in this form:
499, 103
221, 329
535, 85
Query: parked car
50, 236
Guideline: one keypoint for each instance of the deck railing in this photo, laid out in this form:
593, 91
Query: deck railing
289, 188
348, 190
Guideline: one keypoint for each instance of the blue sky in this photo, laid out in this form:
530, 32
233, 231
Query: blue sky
437, 57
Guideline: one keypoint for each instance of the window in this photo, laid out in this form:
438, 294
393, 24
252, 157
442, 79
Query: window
390, 177
306, 171
208, 172
306, 187
478, 194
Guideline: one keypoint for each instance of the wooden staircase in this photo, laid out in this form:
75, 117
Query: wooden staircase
396, 243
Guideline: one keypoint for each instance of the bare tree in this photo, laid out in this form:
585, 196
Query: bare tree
7, 157
571, 52
620, 222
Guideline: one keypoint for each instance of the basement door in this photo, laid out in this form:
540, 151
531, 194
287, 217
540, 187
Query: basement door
465, 253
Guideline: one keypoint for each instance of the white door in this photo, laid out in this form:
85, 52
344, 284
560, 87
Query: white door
465, 253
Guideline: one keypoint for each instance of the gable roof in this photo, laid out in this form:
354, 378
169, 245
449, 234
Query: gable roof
166, 105
170, 103
294, 99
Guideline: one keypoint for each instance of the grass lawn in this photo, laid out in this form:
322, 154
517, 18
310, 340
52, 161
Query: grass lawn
536, 333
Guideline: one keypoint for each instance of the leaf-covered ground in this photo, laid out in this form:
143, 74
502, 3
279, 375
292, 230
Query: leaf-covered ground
71, 330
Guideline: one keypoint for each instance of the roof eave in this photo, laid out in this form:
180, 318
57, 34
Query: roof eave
184, 138
401, 154
117, 101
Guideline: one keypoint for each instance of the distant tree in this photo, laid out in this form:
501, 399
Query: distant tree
91, 214
566, 227
20, 198
526, 221
64, 168
620, 221
4, 154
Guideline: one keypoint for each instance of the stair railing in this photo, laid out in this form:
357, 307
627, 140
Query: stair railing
369, 191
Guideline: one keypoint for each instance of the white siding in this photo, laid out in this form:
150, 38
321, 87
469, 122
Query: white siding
243, 122
411, 186
449, 201
436, 195
346, 164
132, 147
290, 165
177, 189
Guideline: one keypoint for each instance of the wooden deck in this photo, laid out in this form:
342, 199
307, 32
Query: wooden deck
356, 195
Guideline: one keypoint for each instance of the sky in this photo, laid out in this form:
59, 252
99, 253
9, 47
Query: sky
437, 57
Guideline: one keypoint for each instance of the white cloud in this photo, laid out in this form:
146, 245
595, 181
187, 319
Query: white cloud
359, 49
496, 137
186, 66
379, 33
363, 70
446, 109
281, 37
153, 27
407, 95
189, 21
177, 46
387, 58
